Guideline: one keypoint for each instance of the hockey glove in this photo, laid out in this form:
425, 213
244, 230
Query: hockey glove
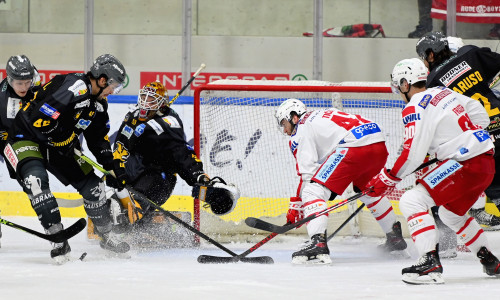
382, 184
119, 180
295, 211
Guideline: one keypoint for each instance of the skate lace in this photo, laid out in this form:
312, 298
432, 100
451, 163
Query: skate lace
423, 260
305, 245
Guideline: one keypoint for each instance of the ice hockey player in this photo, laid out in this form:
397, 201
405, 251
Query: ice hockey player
15, 91
151, 144
468, 71
445, 123
43, 138
333, 149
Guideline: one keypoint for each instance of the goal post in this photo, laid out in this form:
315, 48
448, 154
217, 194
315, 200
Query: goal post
237, 138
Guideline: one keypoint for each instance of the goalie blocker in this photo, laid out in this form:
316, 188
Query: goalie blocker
220, 196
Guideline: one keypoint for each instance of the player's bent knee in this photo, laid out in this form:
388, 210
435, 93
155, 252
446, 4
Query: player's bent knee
313, 191
415, 200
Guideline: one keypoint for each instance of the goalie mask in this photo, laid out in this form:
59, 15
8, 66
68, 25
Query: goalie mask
152, 98
221, 197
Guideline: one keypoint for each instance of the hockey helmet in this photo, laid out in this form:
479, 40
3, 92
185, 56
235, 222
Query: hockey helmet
412, 70
152, 97
284, 111
19, 67
435, 41
112, 69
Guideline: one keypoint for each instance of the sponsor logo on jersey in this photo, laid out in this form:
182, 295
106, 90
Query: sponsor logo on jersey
26, 148
41, 197
78, 88
83, 124
156, 127
99, 107
11, 156
305, 117
139, 129
331, 164
411, 118
425, 100
364, 130
293, 146
458, 110
3, 135
482, 135
442, 172
85, 103
48, 110
4, 87
440, 97
172, 122
463, 150
454, 73
108, 125
13, 106
127, 131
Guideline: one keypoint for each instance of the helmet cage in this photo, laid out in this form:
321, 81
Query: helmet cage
151, 98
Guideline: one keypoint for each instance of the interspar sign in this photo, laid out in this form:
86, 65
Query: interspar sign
173, 80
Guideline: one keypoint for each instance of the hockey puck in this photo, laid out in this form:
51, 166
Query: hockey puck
83, 256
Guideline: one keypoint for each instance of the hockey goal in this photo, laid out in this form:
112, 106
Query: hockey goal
238, 139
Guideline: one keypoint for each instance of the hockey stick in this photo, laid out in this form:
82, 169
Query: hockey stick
266, 226
202, 66
58, 237
259, 259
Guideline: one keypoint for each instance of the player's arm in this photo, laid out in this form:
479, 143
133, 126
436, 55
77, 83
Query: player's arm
476, 112
97, 138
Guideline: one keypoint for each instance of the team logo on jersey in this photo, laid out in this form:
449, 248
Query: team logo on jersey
78, 88
440, 97
455, 73
441, 173
120, 152
172, 122
364, 130
127, 131
139, 130
330, 164
48, 110
425, 100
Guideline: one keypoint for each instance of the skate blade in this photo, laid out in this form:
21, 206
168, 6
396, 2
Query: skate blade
61, 259
490, 228
111, 254
431, 278
322, 259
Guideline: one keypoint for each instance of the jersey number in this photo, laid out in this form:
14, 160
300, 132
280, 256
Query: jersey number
348, 121
41, 123
487, 105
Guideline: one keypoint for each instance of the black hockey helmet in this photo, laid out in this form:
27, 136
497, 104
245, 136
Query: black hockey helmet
435, 41
109, 66
19, 67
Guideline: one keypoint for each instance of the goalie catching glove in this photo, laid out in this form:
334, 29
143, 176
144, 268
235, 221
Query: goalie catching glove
221, 197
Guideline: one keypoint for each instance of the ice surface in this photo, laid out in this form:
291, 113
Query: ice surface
358, 272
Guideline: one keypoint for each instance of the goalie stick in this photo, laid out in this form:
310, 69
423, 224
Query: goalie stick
211, 259
58, 237
266, 226
202, 66
258, 259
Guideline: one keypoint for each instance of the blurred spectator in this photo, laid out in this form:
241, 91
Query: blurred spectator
424, 19
494, 33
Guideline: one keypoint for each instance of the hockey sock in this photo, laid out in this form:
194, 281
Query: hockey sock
381, 210
423, 232
317, 225
472, 235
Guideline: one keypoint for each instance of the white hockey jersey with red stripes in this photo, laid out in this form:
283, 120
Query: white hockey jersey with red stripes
442, 122
320, 132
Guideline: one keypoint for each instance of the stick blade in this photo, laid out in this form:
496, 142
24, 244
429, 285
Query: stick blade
210, 259
69, 232
266, 226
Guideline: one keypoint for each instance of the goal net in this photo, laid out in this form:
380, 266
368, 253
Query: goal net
237, 138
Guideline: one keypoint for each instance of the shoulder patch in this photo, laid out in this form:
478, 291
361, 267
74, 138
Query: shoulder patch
139, 129
78, 88
127, 131
425, 100
172, 122
48, 110
156, 127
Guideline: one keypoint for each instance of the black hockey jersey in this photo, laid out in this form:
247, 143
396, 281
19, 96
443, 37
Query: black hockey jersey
469, 73
10, 104
60, 111
160, 142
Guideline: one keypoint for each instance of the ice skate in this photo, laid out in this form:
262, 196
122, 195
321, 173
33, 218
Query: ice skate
314, 251
395, 244
427, 270
60, 251
486, 220
491, 265
110, 241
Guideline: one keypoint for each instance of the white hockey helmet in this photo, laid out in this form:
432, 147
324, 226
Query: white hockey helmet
455, 43
286, 108
412, 70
